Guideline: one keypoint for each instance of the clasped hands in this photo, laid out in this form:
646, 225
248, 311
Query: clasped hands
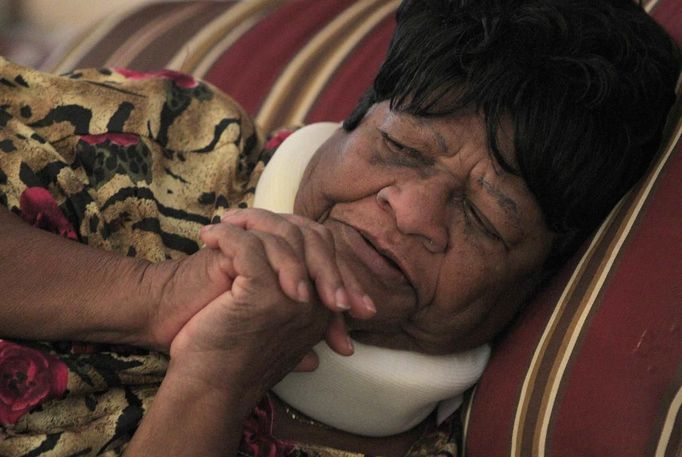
254, 301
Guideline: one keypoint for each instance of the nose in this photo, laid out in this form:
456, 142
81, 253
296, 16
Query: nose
419, 208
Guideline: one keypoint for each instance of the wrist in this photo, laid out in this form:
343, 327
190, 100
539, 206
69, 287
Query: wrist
122, 316
219, 377
151, 279
190, 417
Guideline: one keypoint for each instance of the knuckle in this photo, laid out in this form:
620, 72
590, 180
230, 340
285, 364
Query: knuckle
293, 232
324, 232
257, 213
252, 242
285, 249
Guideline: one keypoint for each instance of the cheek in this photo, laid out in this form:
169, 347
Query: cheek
352, 179
466, 300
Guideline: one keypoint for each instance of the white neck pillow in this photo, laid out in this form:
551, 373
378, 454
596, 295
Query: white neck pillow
376, 391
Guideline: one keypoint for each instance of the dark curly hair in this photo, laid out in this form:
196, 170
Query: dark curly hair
586, 84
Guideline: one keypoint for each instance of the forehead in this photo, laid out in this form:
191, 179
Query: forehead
445, 135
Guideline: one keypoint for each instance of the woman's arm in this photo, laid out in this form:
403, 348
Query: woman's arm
55, 288
190, 418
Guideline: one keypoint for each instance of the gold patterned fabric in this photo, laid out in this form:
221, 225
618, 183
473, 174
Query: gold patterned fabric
133, 163
129, 162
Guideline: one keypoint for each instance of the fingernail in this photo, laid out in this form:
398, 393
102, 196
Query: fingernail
206, 228
341, 298
349, 344
303, 292
369, 304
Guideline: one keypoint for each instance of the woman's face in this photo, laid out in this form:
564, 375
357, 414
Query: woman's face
446, 243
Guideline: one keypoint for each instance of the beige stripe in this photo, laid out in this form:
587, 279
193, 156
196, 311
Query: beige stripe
650, 5
668, 426
467, 416
578, 318
280, 91
332, 63
572, 336
532, 373
221, 32
534, 366
223, 45
84, 43
139, 40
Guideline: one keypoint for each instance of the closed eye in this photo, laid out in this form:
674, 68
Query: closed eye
405, 155
472, 213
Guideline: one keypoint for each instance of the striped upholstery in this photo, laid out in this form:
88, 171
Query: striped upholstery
601, 348
286, 62
594, 368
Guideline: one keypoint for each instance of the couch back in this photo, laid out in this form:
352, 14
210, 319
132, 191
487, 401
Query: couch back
594, 365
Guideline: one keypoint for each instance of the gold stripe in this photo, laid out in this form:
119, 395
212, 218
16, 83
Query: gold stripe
532, 373
550, 328
578, 319
467, 417
330, 65
139, 40
221, 32
223, 45
650, 6
280, 92
85, 42
571, 338
669, 424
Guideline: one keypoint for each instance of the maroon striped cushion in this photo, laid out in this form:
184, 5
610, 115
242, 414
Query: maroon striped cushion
286, 62
594, 368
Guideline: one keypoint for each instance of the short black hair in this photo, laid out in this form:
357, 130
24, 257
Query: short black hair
586, 84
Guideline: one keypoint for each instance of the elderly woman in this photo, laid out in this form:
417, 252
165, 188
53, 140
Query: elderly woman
495, 137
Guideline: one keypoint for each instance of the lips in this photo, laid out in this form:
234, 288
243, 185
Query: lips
379, 261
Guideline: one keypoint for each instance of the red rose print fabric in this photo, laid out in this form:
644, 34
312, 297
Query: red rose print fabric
134, 163
27, 378
39, 209
258, 440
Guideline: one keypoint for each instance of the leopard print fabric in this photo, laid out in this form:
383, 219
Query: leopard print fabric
133, 163
136, 163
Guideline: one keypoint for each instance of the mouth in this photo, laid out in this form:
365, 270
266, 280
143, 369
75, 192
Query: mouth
378, 259
387, 256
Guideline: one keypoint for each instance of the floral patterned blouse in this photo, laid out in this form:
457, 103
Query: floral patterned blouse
133, 163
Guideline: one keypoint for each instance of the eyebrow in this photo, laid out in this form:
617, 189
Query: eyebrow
507, 204
440, 140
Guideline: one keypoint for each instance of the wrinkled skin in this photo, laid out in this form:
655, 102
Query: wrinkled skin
445, 242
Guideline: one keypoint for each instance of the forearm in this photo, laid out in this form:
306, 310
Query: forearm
191, 418
54, 288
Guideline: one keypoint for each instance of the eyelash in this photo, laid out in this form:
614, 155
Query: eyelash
471, 213
406, 154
